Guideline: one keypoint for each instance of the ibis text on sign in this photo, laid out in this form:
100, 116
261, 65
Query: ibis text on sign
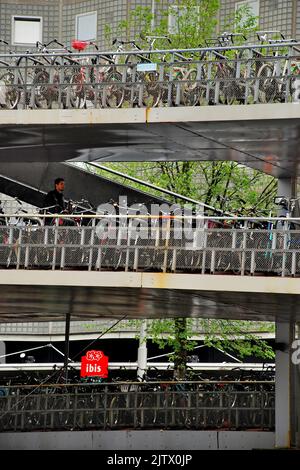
94, 363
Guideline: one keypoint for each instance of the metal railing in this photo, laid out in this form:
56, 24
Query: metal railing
164, 244
250, 74
192, 405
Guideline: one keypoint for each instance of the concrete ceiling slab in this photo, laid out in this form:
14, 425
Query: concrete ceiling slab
265, 137
49, 295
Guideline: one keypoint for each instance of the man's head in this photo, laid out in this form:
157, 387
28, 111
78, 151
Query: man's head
59, 184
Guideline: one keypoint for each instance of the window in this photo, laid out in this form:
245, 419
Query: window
253, 4
26, 29
175, 12
86, 26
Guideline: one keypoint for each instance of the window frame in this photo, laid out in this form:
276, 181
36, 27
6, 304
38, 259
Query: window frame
240, 3
80, 15
35, 19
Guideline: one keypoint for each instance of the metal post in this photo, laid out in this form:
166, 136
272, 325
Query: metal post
153, 15
67, 336
2, 352
142, 351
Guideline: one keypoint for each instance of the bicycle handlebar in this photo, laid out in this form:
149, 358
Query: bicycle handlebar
119, 41
92, 43
230, 36
55, 41
262, 35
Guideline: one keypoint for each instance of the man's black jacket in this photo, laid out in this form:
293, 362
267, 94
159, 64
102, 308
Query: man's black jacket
55, 199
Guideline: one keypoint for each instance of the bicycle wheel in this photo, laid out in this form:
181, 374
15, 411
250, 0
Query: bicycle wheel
191, 90
77, 91
228, 91
151, 89
9, 92
114, 412
41, 90
114, 90
268, 87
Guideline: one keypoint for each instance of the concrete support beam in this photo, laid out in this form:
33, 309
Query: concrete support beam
284, 338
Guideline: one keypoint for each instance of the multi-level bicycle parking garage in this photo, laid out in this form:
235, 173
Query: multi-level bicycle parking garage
242, 108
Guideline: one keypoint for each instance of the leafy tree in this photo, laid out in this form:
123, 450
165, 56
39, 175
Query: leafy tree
238, 337
221, 184
241, 21
194, 21
225, 185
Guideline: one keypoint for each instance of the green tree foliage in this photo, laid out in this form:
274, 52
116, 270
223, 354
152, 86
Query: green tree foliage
221, 184
192, 22
225, 185
238, 337
189, 23
242, 21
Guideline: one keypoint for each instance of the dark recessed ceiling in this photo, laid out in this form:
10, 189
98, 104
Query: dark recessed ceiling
268, 145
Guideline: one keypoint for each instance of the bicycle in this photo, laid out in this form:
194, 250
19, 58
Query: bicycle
52, 79
19, 233
16, 83
141, 86
123, 406
225, 70
276, 84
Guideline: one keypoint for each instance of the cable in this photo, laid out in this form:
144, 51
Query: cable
100, 336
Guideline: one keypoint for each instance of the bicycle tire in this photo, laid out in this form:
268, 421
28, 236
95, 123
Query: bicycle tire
10, 92
114, 90
268, 87
40, 85
191, 89
151, 89
77, 91
114, 412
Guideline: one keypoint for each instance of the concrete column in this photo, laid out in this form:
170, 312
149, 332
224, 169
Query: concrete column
295, 359
153, 15
283, 339
142, 351
286, 188
2, 352
294, 19
60, 21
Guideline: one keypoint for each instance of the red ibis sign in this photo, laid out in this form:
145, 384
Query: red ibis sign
94, 363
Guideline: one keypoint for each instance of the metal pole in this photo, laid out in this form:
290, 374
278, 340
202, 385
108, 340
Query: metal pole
67, 337
142, 351
153, 15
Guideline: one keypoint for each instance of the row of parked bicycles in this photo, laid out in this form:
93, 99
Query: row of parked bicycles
205, 404
221, 71
131, 238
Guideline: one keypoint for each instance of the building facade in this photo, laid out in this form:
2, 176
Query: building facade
23, 22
